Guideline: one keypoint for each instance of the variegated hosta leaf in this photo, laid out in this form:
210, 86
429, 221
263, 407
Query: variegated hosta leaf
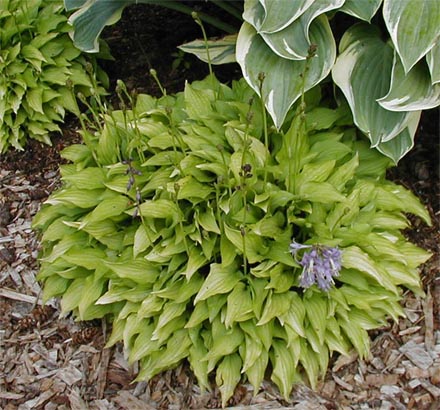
293, 41
91, 18
361, 9
412, 91
269, 16
221, 51
283, 83
414, 28
433, 60
363, 71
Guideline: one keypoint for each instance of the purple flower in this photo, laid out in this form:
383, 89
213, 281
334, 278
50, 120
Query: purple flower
320, 264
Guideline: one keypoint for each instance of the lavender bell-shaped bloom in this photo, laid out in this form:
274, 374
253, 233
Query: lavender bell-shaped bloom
320, 265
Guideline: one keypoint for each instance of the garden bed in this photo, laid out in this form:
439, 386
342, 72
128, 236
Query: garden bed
52, 363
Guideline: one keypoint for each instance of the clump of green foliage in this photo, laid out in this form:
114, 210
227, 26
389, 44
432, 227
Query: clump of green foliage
40, 71
176, 219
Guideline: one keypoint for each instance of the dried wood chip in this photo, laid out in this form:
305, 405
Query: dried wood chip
342, 383
381, 379
428, 307
417, 354
69, 375
129, 402
435, 391
76, 402
344, 361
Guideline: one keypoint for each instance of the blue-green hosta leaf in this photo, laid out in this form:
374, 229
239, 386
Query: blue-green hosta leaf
433, 60
221, 51
412, 91
293, 41
363, 71
413, 27
269, 16
283, 83
361, 9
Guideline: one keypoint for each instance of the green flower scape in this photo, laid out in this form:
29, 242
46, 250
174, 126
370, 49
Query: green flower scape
175, 221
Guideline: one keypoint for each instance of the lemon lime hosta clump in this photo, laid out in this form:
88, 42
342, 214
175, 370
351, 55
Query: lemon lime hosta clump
175, 221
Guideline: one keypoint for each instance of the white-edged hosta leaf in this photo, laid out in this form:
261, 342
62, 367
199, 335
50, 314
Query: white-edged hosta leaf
228, 375
413, 27
91, 19
412, 91
361, 9
283, 83
221, 51
221, 279
269, 16
293, 41
402, 143
364, 57
433, 60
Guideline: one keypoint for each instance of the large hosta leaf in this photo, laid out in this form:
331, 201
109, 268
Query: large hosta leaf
363, 71
283, 83
92, 17
221, 51
293, 42
399, 146
361, 9
433, 60
269, 16
412, 91
414, 27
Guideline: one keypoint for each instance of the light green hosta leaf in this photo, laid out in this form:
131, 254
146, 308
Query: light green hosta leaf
170, 311
293, 41
227, 376
54, 286
107, 208
365, 56
410, 91
361, 9
283, 83
93, 289
116, 294
198, 102
320, 192
295, 316
221, 279
355, 258
317, 311
413, 30
270, 16
160, 208
310, 362
239, 305
89, 258
221, 51
76, 197
225, 343
256, 372
138, 270
284, 373
358, 336
433, 60
277, 304
72, 296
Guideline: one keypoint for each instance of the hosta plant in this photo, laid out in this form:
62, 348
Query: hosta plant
204, 234
40, 71
387, 64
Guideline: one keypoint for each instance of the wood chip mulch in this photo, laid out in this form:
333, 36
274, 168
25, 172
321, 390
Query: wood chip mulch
48, 362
